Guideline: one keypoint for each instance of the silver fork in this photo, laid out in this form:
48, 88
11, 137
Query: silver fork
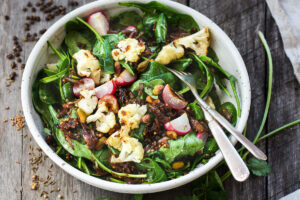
234, 161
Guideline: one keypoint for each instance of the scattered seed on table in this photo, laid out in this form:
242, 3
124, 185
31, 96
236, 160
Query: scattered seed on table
6, 17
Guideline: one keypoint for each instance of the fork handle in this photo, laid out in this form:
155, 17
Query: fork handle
237, 134
234, 162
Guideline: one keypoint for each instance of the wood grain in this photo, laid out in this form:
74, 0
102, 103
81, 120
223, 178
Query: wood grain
284, 148
240, 20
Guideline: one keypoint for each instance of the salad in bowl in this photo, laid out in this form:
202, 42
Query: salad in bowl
110, 107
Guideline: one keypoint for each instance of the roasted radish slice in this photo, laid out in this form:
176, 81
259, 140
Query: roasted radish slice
180, 125
172, 99
85, 83
107, 88
99, 22
111, 102
125, 78
130, 30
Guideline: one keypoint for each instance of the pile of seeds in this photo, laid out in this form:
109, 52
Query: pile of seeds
48, 10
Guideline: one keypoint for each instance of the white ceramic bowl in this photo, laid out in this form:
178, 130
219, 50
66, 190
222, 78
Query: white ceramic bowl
230, 59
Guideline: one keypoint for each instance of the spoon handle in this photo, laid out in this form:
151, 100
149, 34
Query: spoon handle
235, 163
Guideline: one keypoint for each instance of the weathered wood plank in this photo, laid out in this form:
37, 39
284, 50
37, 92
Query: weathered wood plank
284, 148
240, 20
10, 176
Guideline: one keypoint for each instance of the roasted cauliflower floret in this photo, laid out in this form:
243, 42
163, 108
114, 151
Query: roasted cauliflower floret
131, 115
199, 42
129, 50
169, 53
130, 148
104, 119
88, 65
89, 102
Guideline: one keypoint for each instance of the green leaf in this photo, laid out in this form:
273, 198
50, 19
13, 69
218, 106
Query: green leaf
198, 112
138, 133
49, 93
228, 110
174, 19
124, 19
159, 71
114, 39
184, 146
161, 29
54, 77
155, 172
258, 167
128, 67
138, 196
181, 64
209, 77
68, 91
74, 39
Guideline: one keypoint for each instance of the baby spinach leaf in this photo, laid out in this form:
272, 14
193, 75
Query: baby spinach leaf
230, 77
102, 50
54, 77
127, 66
49, 93
174, 18
155, 172
209, 187
103, 156
74, 40
258, 167
228, 110
124, 19
212, 54
181, 64
161, 29
40, 106
184, 146
159, 71
198, 112
209, 77
78, 150
138, 133
114, 39
68, 91
221, 84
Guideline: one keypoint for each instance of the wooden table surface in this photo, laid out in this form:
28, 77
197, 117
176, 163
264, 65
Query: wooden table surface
240, 19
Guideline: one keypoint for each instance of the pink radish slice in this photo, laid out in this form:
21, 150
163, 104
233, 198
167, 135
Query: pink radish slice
129, 29
125, 78
107, 88
111, 102
202, 136
172, 99
180, 125
86, 83
99, 22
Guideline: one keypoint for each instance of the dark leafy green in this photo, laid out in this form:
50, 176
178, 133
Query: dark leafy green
74, 40
258, 167
184, 146
174, 19
181, 64
229, 111
138, 133
198, 112
49, 93
124, 19
161, 29
154, 172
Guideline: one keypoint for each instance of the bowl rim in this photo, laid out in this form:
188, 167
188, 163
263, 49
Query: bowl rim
108, 185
